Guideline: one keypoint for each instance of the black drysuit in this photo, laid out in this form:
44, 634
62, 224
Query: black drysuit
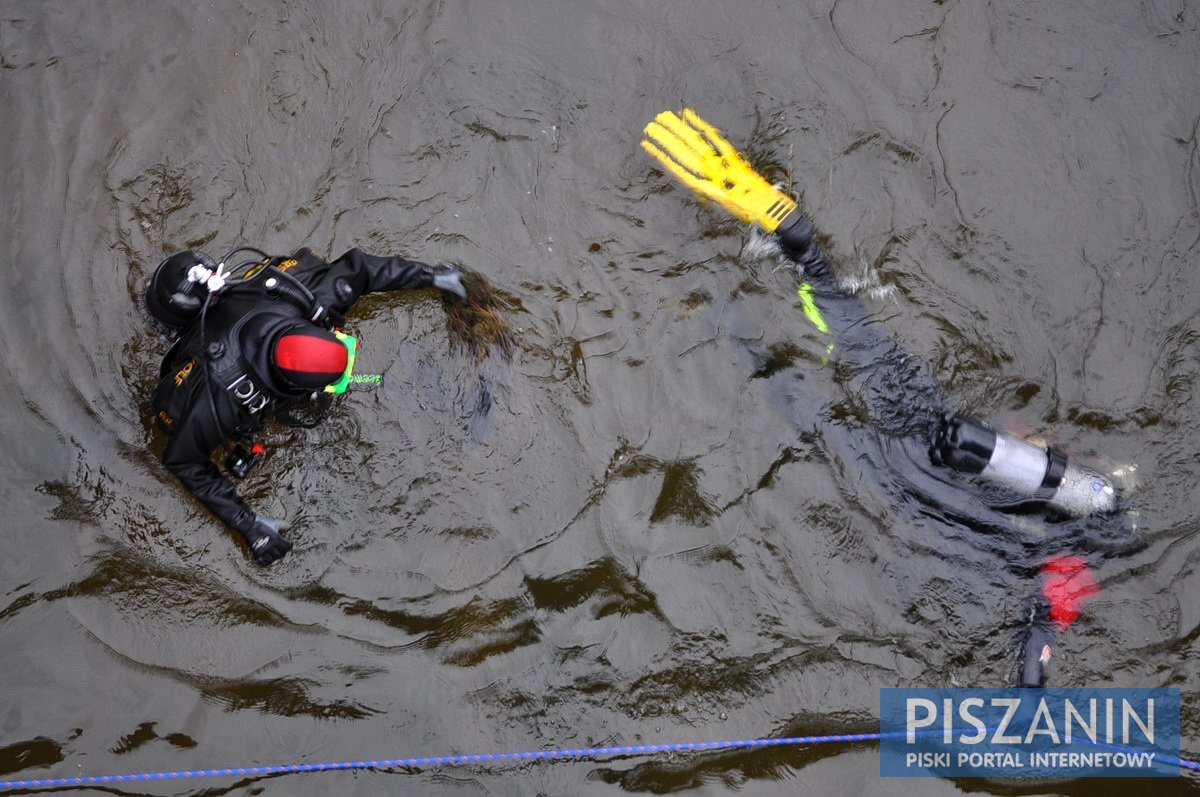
905, 405
217, 383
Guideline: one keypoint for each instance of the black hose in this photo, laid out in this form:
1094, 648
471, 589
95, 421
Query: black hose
208, 381
241, 248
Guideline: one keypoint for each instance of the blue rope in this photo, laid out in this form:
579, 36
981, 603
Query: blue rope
455, 760
446, 760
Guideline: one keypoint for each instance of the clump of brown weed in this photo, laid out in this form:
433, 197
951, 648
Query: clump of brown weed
475, 323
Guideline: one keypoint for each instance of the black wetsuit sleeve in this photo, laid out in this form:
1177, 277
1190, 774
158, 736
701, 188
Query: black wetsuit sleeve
188, 456
374, 273
339, 284
898, 387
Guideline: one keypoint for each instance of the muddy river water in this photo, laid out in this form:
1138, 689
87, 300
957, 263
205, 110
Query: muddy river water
625, 534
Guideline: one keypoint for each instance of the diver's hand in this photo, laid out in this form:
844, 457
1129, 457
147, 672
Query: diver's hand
266, 543
447, 278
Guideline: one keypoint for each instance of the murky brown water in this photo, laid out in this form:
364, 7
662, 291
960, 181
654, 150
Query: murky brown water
641, 542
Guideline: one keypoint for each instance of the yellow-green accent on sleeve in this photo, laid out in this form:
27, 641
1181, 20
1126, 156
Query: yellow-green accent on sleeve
811, 311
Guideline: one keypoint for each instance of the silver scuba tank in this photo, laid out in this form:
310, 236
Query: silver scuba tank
1030, 471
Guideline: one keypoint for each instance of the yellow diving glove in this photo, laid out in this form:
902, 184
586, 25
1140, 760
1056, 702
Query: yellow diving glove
696, 152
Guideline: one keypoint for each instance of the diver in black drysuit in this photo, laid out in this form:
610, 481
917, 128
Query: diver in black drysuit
932, 461
923, 454
255, 348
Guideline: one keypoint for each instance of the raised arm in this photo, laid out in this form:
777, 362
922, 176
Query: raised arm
898, 388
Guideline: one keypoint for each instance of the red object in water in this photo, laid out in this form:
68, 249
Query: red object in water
1068, 583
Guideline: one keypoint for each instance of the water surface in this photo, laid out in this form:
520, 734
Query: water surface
641, 542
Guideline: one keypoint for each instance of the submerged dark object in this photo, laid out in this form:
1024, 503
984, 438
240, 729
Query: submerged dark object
1067, 583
